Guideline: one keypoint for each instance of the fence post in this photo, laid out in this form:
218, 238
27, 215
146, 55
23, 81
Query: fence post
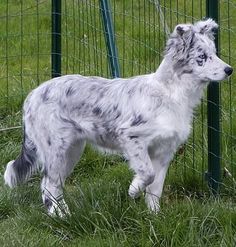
105, 11
56, 38
213, 109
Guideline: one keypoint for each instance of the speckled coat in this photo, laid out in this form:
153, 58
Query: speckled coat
144, 117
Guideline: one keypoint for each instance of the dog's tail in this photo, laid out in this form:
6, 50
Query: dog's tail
19, 170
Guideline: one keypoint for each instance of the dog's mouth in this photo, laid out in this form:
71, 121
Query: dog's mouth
217, 77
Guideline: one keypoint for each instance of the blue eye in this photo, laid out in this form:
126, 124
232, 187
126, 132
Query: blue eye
203, 56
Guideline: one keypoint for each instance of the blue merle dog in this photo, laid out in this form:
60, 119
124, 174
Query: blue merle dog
144, 117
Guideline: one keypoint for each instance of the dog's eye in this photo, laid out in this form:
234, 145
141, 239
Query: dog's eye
203, 56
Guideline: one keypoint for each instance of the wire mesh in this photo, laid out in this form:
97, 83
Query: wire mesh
24, 50
141, 29
227, 101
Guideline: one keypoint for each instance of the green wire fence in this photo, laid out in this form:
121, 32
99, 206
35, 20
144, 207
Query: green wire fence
42, 39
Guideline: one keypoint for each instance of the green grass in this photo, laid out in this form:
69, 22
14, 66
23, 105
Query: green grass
102, 212
103, 215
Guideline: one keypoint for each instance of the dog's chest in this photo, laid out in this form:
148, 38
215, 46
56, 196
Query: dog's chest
174, 123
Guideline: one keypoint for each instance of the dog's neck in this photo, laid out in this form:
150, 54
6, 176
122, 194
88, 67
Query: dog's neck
182, 87
165, 72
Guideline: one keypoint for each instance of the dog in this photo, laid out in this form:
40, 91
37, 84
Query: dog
145, 118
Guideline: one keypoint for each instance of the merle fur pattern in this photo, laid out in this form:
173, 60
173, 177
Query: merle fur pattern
144, 117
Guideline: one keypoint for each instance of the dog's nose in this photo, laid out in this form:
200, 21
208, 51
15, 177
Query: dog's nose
228, 70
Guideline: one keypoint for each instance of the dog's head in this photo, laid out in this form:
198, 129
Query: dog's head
192, 50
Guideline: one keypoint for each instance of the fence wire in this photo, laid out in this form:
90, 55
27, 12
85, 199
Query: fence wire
141, 29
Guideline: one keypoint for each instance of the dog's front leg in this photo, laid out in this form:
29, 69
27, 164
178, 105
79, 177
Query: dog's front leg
141, 164
154, 190
160, 158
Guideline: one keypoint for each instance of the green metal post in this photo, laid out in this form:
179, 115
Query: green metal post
56, 38
213, 108
110, 38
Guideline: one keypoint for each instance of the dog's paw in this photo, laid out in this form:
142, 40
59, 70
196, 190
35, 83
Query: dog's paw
134, 192
152, 202
136, 188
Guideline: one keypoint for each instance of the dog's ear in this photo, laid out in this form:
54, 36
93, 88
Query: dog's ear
180, 41
207, 27
182, 30
183, 33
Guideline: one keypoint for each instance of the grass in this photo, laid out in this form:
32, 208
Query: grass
102, 213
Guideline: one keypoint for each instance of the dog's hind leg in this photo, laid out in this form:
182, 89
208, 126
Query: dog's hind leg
57, 168
140, 162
